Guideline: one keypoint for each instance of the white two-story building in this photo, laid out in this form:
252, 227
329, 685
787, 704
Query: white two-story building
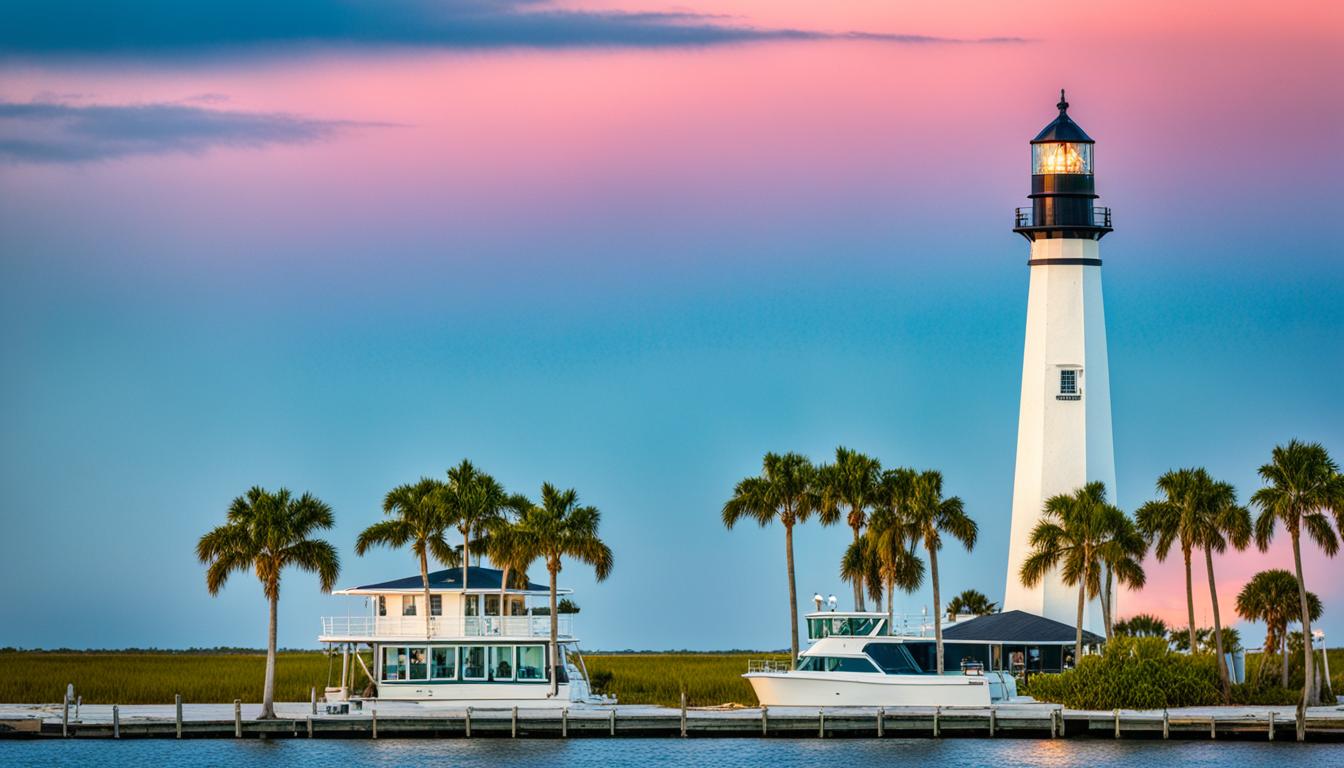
475, 644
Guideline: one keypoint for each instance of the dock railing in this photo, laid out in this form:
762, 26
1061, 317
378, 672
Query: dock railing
444, 627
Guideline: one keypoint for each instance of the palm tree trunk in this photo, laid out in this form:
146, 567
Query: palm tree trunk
466, 560
1283, 654
1078, 638
1189, 598
891, 607
1217, 629
793, 595
268, 691
424, 578
503, 593
1107, 610
552, 566
937, 605
1309, 693
858, 580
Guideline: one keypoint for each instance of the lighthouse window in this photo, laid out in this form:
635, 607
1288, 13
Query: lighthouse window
1068, 382
1061, 157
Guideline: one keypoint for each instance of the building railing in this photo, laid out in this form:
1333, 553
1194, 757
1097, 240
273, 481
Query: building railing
440, 627
1026, 217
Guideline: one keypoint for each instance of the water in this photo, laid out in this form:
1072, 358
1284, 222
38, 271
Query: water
606, 753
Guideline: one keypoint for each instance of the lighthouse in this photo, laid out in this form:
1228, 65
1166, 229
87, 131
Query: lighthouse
1064, 420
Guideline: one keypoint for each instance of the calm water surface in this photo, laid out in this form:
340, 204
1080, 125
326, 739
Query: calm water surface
669, 752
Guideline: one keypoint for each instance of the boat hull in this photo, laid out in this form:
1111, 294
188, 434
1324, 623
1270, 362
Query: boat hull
838, 689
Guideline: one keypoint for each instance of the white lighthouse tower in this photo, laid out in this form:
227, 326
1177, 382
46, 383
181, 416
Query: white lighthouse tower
1064, 422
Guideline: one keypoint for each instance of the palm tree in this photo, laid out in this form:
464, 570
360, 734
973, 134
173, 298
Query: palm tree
1272, 597
473, 501
971, 602
1224, 521
1082, 535
928, 516
264, 533
890, 549
559, 528
1303, 484
507, 546
1142, 625
786, 491
1176, 519
853, 481
416, 518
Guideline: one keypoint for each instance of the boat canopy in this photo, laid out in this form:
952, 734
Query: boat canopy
845, 624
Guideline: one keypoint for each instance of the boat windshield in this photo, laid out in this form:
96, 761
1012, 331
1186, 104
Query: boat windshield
893, 658
834, 664
819, 627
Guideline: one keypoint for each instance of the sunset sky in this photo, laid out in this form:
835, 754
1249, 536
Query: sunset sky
626, 247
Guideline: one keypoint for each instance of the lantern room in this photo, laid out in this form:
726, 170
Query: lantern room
1062, 184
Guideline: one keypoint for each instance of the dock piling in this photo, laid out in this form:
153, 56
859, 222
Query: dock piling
65, 716
564, 723
310, 727
683, 714
765, 721
821, 723
881, 720
312, 695
612, 721
79, 702
1166, 724
374, 713
1301, 721
1271, 725
1117, 722
1053, 714
993, 720
468, 722
937, 714
177, 713
116, 722
513, 732
1213, 727
237, 718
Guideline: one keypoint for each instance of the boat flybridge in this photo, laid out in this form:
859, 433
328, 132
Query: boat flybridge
855, 660
482, 643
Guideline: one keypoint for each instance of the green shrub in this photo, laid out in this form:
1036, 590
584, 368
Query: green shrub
1132, 673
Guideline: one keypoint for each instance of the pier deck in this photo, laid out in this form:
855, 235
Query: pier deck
387, 719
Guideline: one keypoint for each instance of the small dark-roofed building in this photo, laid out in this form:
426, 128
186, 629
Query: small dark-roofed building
1015, 641
479, 579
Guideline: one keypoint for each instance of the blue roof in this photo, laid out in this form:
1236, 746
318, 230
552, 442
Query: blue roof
479, 578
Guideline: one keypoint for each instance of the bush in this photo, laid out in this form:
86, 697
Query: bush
1132, 673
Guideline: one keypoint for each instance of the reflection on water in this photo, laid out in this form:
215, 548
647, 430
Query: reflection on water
605, 753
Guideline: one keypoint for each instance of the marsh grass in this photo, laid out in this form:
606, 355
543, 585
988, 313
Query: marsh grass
152, 678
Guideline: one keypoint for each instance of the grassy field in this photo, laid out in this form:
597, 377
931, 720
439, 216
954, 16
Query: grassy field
153, 678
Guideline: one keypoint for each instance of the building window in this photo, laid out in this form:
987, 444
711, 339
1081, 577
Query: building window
473, 662
471, 605
531, 662
443, 664
394, 664
501, 662
408, 605
436, 605
382, 605
419, 664
1068, 382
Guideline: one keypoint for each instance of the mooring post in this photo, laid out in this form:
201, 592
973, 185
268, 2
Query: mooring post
613, 721
177, 710
564, 723
514, 730
1301, 721
1271, 725
993, 720
237, 718
821, 723
1117, 722
1053, 729
683, 714
374, 712
313, 696
765, 721
310, 727
1213, 726
468, 722
937, 714
1166, 724
116, 722
65, 716
881, 720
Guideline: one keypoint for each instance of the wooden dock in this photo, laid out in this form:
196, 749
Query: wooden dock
381, 720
